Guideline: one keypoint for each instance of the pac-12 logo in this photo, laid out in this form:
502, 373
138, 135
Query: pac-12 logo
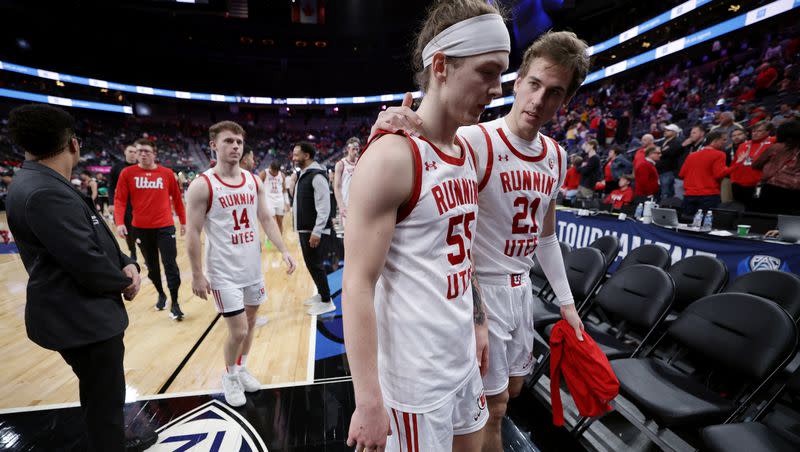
761, 262
211, 427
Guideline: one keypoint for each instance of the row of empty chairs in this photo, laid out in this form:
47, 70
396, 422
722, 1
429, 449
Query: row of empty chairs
689, 352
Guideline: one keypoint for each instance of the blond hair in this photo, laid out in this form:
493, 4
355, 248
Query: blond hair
441, 15
562, 48
222, 126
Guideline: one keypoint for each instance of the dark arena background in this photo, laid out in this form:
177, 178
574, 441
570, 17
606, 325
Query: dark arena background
688, 306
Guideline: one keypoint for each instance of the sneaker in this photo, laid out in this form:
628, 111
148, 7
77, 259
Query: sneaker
175, 312
313, 300
321, 308
261, 321
232, 388
248, 381
162, 302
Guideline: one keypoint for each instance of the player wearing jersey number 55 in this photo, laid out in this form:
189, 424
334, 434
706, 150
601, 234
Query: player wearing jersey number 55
520, 171
414, 327
230, 203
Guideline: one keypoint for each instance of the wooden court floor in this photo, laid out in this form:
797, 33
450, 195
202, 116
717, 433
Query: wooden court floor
156, 346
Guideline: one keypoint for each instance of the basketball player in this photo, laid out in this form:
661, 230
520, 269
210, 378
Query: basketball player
520, 171
343, 173
408, 292
151, 188
277, 199
230, 203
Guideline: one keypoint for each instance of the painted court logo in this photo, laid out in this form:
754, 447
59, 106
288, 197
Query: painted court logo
211, 427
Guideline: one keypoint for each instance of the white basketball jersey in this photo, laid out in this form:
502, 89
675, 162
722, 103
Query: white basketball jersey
520, 180
347, 174
274, 186
423, 298
233, 246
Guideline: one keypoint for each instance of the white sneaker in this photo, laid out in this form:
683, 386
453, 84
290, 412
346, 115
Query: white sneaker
261, 321
313, 300
248, 381
232, 388
321, 308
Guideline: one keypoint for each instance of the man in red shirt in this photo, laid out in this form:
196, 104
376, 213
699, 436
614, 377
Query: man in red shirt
646, 174
150, 187
621, 196
744, 177
702, 172
647, 141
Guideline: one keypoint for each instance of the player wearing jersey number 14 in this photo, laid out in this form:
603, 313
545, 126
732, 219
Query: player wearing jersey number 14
230, 203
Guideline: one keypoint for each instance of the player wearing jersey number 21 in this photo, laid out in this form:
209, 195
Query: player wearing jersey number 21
230, 203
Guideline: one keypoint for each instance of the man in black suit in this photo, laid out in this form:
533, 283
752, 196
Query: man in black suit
75, 267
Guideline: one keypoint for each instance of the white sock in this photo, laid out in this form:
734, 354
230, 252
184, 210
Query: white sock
232, 370
242, 361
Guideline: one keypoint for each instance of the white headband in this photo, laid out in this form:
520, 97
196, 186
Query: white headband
474, 36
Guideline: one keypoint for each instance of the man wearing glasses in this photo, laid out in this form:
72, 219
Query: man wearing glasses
150, 187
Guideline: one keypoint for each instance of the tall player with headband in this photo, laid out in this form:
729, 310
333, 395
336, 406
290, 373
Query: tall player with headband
230, 203
412, 323
520, 171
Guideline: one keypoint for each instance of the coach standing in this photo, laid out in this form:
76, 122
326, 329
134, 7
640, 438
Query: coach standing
312, 220
151, 187
75, 267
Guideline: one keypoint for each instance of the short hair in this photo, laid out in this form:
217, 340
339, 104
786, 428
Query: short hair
728, 113
700, 127
650, 150
245, 153
576, 159
441, 15
87, 172
563, 48
307, 147
714, 135
41, 130
223, 126
789, 134
768, 125
629, 177
274, 165
145, 142
353, 140
594, 144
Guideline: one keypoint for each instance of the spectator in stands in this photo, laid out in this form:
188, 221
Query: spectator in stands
589, 170
609, 181
667, 165
622, 195
780, 163
623, 128
785, 113
702, 172
745, 178
621, 165
573, 178
691, 144
611, 128
727, 124
645, 173
738, 137
647, 141
766, 78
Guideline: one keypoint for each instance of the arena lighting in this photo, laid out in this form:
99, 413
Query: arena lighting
64, 102
741, 21
744, 20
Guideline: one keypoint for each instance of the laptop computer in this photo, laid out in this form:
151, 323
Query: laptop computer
667, 218
789, 228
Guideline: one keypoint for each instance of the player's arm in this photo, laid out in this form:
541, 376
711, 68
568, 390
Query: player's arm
548, 253
93, 186
270, 227
177, 202
121, 201
197, 199
374, 201
481, 323
337, 184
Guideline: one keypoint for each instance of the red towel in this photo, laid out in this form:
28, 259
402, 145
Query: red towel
585, 368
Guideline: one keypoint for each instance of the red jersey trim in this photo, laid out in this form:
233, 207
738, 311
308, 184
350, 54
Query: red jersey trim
471, 155
527, 158
406, 210
489, 159
397, 434
457, 161
558, 153
244, 179
210, 192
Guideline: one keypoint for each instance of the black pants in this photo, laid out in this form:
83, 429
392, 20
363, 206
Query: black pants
778, 200
743, 195
692, 203
161, 241
313, 258
101, 381
130, 239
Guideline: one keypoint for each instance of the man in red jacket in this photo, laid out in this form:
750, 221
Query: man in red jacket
702, 172
150, 187
744, 177
646, 175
